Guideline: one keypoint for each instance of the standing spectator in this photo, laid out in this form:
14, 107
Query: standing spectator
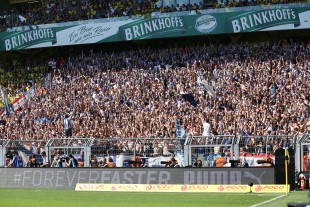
72, 161
45, 162
57, 162
67, 125
34, 148
206, 129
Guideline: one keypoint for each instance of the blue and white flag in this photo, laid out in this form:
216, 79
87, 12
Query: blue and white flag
180, 134
180, 131
206, 87
30, 93
6, 106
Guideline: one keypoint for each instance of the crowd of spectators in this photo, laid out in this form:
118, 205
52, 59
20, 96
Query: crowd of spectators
260, 89
52, 11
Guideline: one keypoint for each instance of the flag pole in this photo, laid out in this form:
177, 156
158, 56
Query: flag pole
286, 173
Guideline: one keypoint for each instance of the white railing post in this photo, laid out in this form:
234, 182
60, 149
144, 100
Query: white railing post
87, 154
236, 147
2, 156
187, 160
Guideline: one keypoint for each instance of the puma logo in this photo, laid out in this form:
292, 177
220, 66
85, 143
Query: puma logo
252, 176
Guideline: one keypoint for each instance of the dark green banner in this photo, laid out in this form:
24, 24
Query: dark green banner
284, 18
154, 28
25, 39
218, 23
258, 20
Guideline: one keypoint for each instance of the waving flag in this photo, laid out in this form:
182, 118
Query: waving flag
7, 109
30, 93
2, 112
18, 103
207, 87
181, 135
190, 98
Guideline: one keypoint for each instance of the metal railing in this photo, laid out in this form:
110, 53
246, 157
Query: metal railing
157, 150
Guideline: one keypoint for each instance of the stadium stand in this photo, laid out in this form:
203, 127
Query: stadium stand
260, 89
242, 89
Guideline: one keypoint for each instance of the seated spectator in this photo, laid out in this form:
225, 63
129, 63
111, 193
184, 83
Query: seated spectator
16, 161
111, 163
103, 163
171, 163
80, 163
136, 162
31, 162
220, 161
198, 163
93, 161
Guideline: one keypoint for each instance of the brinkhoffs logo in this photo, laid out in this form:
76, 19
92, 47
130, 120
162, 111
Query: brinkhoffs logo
258, 20
152, 28
206, 23
26, 39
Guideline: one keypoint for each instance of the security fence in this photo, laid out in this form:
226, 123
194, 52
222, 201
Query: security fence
78, 146
158, 152
302, 153
265, 144
125, 150
23, 148
207, 149
239, 150
91, 152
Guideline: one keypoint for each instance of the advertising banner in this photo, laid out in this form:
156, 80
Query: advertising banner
26, 39
69, 177
284, 18
181, 188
